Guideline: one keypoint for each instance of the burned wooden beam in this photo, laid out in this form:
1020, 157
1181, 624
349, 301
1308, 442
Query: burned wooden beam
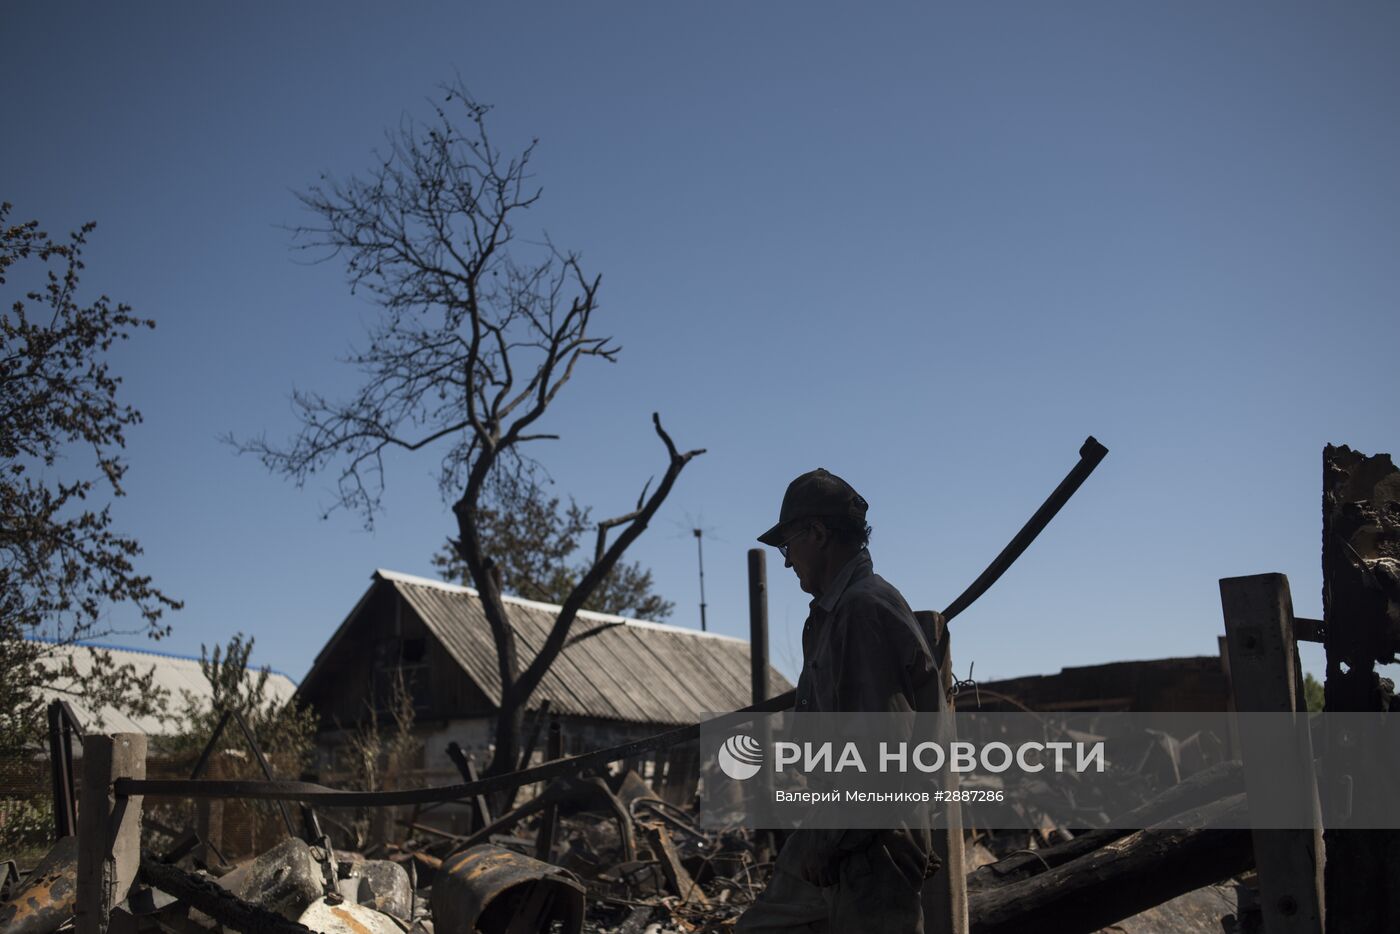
1361, 612
1309, 630
481, 810
1206, 786
637, 920
677, 877
216, 902
1117, 881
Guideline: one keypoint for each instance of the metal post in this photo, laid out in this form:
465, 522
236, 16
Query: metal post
65, 814
1263, 661
758, 624
109, 827
700, 552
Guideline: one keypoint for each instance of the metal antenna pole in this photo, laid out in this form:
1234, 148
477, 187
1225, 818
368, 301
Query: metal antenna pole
700, 550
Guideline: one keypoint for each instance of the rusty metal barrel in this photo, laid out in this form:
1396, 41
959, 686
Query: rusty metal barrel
488, 889
44, 901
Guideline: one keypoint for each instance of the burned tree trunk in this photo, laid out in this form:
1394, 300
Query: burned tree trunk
1361, 616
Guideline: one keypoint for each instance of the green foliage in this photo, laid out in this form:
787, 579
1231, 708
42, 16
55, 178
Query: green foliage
26, 828
1312, 693
285, 731
62, 564
532, 541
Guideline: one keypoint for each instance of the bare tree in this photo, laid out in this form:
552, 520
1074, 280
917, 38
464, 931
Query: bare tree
479, 333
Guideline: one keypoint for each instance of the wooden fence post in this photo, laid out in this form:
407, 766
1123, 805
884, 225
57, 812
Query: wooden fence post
1263, 675
109, 828
549, 823
944, 896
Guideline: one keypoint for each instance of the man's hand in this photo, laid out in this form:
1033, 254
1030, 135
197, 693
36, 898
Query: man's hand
820, 861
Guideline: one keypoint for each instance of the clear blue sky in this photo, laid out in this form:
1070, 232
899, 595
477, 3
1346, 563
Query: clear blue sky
930, 247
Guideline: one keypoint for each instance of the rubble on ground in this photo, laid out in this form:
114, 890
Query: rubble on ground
597, 855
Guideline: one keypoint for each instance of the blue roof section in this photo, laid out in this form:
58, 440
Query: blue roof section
144, 651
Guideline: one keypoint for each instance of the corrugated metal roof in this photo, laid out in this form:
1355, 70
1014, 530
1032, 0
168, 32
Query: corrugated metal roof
613, 667
177, 674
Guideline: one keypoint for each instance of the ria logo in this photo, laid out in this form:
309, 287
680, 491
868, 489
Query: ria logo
740, 757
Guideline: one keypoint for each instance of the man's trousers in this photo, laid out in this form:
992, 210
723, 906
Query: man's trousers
877, 892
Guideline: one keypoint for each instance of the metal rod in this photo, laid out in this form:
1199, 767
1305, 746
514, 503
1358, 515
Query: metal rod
1089, 456
65, 812
431, 831
700, 550
203, 763
266, 769
70, 787
331, 797
71, 726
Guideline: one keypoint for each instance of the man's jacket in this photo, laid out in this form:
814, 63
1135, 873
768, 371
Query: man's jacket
863, 650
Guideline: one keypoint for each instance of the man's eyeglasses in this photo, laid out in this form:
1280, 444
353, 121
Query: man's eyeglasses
783, 548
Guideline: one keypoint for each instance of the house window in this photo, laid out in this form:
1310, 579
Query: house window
415, 678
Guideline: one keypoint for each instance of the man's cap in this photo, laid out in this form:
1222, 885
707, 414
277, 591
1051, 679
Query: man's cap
816, 494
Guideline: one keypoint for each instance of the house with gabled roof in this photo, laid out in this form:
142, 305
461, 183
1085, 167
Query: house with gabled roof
616, 679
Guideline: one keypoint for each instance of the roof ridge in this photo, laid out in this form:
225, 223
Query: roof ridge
401, 577
108, 647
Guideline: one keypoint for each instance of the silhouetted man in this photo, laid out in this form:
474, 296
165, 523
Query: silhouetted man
862, 651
